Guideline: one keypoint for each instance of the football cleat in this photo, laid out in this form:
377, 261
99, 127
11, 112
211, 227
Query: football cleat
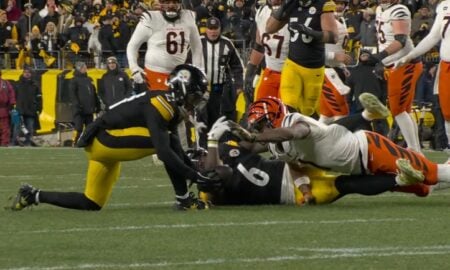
26, 196
407, 175
373, 106
190, 203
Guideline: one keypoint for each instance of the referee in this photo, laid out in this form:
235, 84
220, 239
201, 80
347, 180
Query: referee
225, 72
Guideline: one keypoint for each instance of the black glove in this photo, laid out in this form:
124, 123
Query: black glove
378, 71
208, 181
303, 29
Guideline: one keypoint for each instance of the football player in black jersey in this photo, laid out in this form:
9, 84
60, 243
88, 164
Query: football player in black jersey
311, 24
131, 129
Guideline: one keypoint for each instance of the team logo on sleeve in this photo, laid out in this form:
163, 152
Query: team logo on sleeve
234, 153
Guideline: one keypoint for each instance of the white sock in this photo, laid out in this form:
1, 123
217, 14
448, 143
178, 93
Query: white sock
447, 130
409, 128
443, 172
365, 115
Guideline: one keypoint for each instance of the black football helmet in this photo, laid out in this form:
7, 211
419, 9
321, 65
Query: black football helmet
188, 85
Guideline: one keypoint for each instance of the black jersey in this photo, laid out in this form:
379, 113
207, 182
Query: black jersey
255, 179
158, 112
303, 49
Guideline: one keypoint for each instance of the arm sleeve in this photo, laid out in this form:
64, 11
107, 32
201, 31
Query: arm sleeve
197, 50
140, 35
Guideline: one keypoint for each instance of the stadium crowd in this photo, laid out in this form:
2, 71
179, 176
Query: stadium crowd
39, 35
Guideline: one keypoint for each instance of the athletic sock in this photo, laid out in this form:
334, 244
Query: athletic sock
408, 127
72, 200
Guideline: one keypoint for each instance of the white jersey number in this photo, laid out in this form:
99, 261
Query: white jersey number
295, 33
254, 175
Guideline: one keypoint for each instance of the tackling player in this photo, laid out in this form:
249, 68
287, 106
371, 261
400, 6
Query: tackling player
393, 31
440, 32
169, 33
131, 129
271, 47
249, 178
301, 140
311, 24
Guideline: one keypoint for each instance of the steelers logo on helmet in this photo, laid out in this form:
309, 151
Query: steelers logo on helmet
188, 85
266, 112
170, 9
305, 3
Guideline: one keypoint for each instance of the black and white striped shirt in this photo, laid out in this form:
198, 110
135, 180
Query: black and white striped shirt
220, 58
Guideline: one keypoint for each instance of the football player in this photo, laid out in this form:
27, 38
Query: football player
311, 24
249, 178
393, 31
271, 47
169, 33
333, 104
440, 32
301, 141
131, 129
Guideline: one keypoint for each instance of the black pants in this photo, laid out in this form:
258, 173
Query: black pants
80, 121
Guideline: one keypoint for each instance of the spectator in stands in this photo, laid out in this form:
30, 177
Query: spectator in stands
8, 39
423, 16
78, 37
82, 8
7, 102
241, 24
52, 16
114, 85
35, 42
27, 20
66, 18
13, 11
85, 101
353, 17
110, 9
29, 103
51, 43
225, 72
106, 38
368, 29
94, 45
44, 11
94, 15
122, 34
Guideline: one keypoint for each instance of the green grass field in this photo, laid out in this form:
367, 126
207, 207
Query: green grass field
139, 230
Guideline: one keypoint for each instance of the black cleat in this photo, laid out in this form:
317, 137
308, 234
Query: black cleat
190, 203
24, 198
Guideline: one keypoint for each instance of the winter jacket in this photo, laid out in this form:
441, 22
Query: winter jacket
114, 86
82, 94
7, 98
28, 97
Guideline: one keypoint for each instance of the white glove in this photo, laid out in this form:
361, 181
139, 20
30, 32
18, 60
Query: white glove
199, 126
402, 61
138, 75
218, 129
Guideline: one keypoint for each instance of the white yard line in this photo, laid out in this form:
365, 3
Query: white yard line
325, 254
226, 224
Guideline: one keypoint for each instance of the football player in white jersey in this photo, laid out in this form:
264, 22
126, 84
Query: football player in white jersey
440, 32
271, 47
170, 33
393, 32
303, 141
333, 105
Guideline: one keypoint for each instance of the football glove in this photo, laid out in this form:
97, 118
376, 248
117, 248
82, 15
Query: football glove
199, 126
250, 73
138, 75
209, 181
378, 71
241, 132
218, 129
